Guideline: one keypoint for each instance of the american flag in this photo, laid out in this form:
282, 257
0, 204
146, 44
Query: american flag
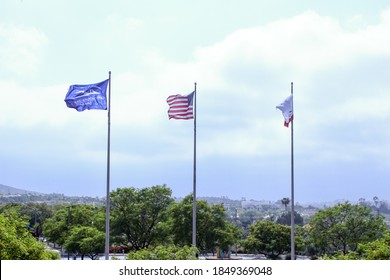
180, 107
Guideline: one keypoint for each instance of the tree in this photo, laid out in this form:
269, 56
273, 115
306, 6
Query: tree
161, 252
285, 219
17, 243
34, 213
249, 217
268, 238
57, 228
343, 227
375, 250
138, 215
85, 241
285, 201
37, 214
212, 228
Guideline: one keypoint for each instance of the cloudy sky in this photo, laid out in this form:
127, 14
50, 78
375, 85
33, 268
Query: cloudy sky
243, 55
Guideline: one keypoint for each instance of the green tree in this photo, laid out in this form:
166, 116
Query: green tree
35, 213
343, 227
138, 215
212, 228
58, 227
161, 252
17, 243
285, 219
285, 201
376, 250
249, 217
268, 238
85, 241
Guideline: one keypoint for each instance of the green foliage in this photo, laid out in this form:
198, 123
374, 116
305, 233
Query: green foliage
138, 215
249, 217
285, 219
268, 238
272, 239
84, 240
160, 252
58, 227
17, 243
34, 213
213, 230
376, 250
339, 255
343, 227
143, 219
51, 255
285, 201
180, 221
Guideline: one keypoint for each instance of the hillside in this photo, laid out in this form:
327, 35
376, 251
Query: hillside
7, 190
14, 195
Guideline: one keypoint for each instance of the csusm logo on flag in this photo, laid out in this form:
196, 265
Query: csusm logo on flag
82, 97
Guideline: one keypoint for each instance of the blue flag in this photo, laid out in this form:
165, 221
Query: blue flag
82, 97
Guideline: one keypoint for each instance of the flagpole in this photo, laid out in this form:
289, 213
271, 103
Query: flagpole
292, 182
194, 182
107, 243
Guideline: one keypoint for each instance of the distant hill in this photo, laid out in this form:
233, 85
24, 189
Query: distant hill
7, 190
14, 195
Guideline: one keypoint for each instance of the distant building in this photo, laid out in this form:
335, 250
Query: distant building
255, 204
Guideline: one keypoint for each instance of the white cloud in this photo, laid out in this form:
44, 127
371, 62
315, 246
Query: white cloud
240, 81
22, 49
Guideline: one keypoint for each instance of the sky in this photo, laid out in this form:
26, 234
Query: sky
243, 56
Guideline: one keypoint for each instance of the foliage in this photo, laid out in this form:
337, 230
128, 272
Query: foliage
51, 255
58, 227
343, 227
249, 217
285, 219
17, 243
160, 252
34, 213
213, 230
268, 238
142, 219
301, 235
339, 255
375, 250
138, 215
271, 239
85, 241
285, 201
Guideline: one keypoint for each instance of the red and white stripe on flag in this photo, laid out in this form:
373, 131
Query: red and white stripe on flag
181, 106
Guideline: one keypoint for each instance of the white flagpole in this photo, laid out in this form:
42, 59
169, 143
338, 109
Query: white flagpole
292, 181
194, 182
107, 243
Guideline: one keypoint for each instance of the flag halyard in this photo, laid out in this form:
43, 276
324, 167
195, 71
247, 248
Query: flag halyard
181, 106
